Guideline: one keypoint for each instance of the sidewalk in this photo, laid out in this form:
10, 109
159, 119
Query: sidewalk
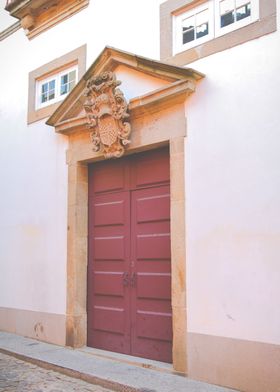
114, 371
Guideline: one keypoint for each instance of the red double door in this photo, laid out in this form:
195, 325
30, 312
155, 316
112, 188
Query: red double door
129, 271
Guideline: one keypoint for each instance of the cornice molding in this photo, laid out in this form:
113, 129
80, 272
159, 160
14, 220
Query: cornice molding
109, 59
10, 30
156, 100
37, 16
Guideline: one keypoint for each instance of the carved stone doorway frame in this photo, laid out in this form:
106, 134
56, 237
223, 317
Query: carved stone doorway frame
76, 320
157, 119
78, 159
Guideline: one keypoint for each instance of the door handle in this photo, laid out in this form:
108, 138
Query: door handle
125, 279
133, 279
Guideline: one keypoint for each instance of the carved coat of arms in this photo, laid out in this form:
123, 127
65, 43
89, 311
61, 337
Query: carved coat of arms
106, 111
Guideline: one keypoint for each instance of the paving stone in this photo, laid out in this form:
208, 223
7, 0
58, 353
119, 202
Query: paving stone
21, 376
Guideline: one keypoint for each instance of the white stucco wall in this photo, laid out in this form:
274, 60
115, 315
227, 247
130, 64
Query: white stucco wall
232, 177
33, 170
33, 182
135, 84
233, 193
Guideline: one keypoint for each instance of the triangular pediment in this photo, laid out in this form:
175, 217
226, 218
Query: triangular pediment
139, 77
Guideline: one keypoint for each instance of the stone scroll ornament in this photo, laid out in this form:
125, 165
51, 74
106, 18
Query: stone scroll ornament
106, 111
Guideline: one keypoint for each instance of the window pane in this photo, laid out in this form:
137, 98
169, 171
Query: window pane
188, 26
202, 30
64, 89
44, 97
44, 87
227, 12
226, 6
64, 79
188, 36
72, 76
51, 94
52, 85
202, 17
71, 85
227, 19
243, 12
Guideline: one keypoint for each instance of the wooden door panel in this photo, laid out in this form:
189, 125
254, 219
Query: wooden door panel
153, 246
110, 213
108, 283
109, 340
153, 208
150, 168
153, 285
154, 325
109, 247
109, 176
151, 294
159, 350
108, 301
109, 319
129, 271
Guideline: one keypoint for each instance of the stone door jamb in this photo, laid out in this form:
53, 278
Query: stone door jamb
76, 325
155, 123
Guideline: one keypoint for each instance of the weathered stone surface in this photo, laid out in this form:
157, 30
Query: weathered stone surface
17, 375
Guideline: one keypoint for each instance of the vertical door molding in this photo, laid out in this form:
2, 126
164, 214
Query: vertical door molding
76, 318
178, 253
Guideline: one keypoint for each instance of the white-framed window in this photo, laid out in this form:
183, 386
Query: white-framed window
234, 14
211, 19
193, 27
55, 87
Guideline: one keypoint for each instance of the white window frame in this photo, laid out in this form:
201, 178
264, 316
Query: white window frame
214, 23
57, 77
238, 24
177, 27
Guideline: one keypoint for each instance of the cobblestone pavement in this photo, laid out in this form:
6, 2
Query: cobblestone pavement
20, 376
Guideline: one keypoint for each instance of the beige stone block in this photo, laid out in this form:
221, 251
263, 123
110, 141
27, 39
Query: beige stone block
86, 154
77, 173
8, 320
76, 330
179, 339
177, 146
178, 231
77, 275
178, 254
78, 220
81, 276
177, 177
240, 364
152, 128
48, 327
81, 223
178, 287
77, 193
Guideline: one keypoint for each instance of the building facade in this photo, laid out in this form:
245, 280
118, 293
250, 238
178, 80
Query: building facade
140, 181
